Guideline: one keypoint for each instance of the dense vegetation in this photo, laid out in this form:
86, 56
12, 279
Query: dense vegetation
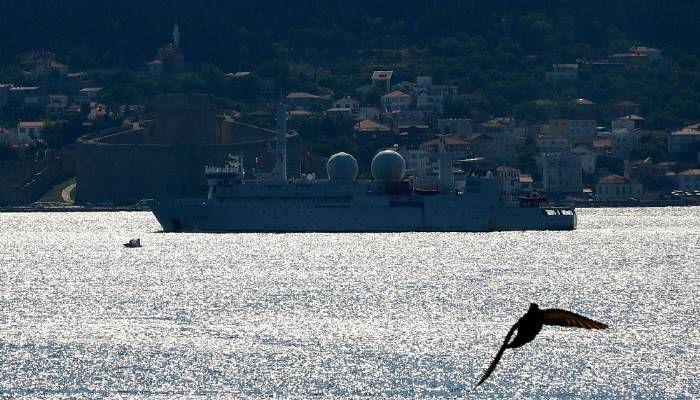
498, 50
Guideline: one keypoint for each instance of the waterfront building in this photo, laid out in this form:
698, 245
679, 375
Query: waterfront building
616, 187
561, 174
624, 141
688, 180
681, 140
588, 158
508, 180
506, 134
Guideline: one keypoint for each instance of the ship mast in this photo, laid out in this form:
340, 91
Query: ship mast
280, 170
446, 177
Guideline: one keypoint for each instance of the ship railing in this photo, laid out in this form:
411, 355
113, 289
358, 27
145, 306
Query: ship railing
220, 170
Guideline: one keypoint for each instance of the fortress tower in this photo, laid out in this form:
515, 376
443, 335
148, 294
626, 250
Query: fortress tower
185, 120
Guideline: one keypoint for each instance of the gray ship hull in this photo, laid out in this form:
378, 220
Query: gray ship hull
381, 214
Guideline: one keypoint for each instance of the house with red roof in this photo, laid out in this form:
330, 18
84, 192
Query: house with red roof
616, 187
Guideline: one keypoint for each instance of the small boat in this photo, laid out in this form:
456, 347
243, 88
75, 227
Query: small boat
133, 243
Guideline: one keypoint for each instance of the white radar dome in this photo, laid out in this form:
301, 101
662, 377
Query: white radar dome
342, 167
388, 165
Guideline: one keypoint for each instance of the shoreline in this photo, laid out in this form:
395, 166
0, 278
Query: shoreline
635, 204
68, 208
134, 208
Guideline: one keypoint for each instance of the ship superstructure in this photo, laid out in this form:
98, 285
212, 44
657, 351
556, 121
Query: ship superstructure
388, 203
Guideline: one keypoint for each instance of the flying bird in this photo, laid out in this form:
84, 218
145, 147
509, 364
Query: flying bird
530, 324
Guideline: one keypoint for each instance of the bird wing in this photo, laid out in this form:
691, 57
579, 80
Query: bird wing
498, 355
555, 316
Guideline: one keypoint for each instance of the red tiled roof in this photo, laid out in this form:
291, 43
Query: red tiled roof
613, 180
32, 124
369, 125
632, 117
396, 93
525, 178
690, 172
602, 143
449, 140
301, 95
688, 130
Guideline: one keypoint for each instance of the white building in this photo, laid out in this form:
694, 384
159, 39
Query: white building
629, 122
562, 72
455, 126
588, 158
561, 174
681, 140
89, 93
507, 135
29, 130
427, 100
616, 187
650, 53
624, 141
688, 180
382, 80
526, 183
31, 96
552, 144
418, 161
508, 180
575, 130
396, 101
348, 102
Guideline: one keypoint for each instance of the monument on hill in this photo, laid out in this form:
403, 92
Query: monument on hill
169, 58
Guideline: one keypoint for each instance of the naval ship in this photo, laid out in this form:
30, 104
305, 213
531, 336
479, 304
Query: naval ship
341, 203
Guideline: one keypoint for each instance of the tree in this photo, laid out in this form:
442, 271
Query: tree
213, 78
63, 133
7, 153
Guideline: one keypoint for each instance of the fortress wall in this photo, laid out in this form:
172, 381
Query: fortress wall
237, 132
133, 136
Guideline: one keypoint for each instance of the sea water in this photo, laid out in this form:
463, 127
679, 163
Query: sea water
405, 315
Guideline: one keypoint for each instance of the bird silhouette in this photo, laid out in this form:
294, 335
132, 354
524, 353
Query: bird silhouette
530, 324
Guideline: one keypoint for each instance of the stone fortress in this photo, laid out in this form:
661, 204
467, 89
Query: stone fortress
165, 157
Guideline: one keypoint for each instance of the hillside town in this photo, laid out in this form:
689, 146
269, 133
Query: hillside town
583, 151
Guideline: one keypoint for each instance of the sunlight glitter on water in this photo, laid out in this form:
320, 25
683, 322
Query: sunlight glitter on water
346, 315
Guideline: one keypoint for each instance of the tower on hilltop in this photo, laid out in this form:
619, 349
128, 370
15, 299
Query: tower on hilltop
169, 58
176, 35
